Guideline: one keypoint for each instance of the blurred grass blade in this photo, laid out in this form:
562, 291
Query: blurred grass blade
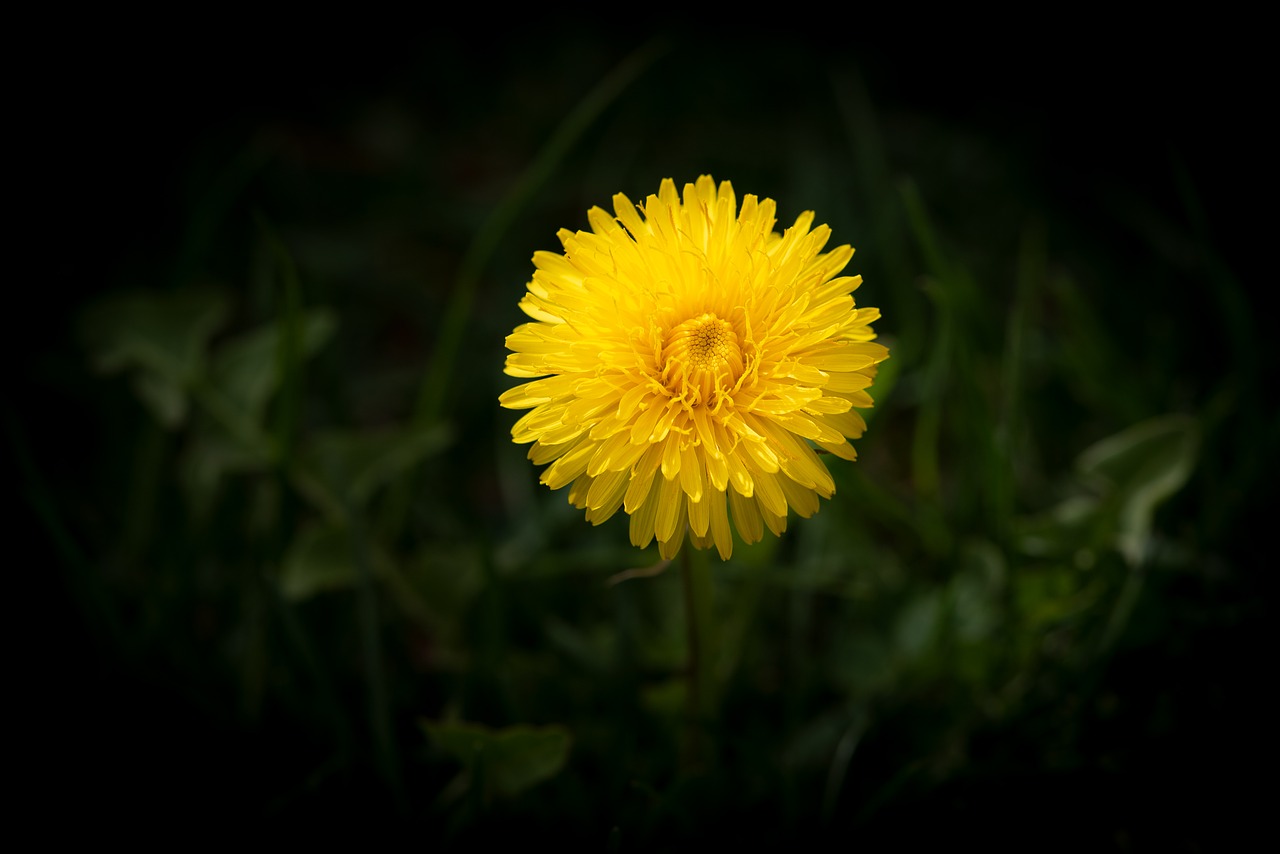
925, 467
1226, 289
1087, 355
1032, 263
458, 314
884, 209
373, 654
289, 343
934, 376
85, 579
840, 759
925, 234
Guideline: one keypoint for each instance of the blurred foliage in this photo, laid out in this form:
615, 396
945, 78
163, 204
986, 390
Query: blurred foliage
310, 576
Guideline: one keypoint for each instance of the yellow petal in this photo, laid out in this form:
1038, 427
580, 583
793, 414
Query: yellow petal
720, 531
670, 509
746, 517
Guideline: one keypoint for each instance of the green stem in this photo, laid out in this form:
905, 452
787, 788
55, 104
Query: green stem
700, 672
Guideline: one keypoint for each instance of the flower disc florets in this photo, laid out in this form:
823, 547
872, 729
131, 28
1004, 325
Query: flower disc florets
691, 362
702, 361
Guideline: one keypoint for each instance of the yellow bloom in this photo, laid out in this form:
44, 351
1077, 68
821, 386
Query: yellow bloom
692, 359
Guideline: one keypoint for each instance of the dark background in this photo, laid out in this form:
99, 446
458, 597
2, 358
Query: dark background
377, 154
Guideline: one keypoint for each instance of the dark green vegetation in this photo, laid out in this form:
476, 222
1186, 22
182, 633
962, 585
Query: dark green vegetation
290, 568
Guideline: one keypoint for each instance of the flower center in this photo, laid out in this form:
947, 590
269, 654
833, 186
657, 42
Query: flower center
701, 358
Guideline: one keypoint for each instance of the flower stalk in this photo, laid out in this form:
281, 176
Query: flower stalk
700, 696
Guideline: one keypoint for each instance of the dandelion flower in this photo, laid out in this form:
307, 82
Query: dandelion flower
689, 364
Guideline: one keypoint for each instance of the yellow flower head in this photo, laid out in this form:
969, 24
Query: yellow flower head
691, 360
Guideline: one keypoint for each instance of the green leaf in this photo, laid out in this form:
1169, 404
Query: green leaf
166, 398
1137, 469
1050, 595
861, 663
975, 591
357, 465
509, 760
318, 560
917, 625
522, 757
164, 332
594, 652
207, 458
162, 336
1061, 531
247, 369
